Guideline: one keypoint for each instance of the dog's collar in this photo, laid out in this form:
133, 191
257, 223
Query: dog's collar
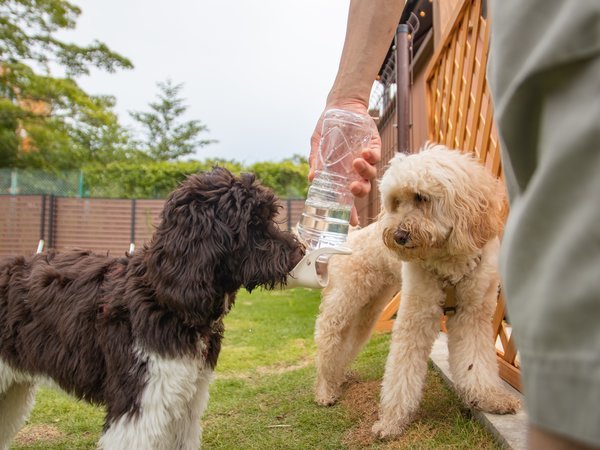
448, 284
449, 306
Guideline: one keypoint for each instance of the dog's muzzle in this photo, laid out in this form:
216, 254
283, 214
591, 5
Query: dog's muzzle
394, 238
401, 237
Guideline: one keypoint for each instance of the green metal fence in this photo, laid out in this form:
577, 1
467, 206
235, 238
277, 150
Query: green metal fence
28, 182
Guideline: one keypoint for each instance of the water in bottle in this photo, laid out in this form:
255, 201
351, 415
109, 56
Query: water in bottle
326, 216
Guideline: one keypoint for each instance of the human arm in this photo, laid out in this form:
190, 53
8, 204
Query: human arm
370, 29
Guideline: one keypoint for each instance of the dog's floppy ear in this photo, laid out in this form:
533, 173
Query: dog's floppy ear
188, 247
478, 209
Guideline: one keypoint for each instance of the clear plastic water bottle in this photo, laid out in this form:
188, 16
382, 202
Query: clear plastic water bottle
326, 216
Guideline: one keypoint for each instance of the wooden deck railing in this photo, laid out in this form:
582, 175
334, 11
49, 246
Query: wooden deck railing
461, 116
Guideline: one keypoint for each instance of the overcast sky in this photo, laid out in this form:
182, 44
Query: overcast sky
256, 72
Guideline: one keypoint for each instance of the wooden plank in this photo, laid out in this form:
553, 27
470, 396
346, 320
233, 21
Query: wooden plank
429, 100
457, 86
498, 314
447, 35
442, 17
481, 75
448, 90
386, 318
484, 143
503, 337
469, 68
510, 374
496, 166
510, 351
440, 102
391, 308
384, 326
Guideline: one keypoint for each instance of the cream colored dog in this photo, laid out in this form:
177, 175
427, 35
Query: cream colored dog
442, 213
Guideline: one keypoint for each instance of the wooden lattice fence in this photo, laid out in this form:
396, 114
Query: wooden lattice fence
460, 115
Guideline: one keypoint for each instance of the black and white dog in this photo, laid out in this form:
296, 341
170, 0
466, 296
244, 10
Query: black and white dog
141, 334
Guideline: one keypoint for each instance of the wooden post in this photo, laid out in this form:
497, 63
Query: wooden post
42, 224
51, 220
132, 229
403, 88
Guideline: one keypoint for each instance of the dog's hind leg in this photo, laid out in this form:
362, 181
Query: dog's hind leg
342, 329
332, 329
472, 354
16, 403
367, 319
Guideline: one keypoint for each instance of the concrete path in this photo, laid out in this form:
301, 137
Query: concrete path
509, 429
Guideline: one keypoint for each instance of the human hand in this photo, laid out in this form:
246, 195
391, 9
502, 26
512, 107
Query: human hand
364, 165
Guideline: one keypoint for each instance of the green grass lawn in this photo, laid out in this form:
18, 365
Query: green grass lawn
262, 397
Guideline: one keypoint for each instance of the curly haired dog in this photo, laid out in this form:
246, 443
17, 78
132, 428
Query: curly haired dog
141, 334
442, 213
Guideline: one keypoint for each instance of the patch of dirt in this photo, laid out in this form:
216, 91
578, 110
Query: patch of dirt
32, 434
361, 397
277, 370
267, 370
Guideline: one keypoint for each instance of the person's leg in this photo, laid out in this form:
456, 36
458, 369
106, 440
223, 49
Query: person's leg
544, 74
538, 439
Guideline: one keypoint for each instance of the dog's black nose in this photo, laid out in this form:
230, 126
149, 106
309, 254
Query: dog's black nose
401, 237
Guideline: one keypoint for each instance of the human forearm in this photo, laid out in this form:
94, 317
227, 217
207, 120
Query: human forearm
370, 30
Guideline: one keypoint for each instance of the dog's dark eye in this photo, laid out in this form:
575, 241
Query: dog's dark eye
420, 198
396, 203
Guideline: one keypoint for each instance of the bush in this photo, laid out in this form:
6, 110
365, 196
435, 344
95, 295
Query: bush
155, 179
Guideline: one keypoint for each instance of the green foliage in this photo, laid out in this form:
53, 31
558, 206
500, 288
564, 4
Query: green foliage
166, 135
154, 179
28, 30
143, 178
60, 126
287, 178
9, 142
140, 177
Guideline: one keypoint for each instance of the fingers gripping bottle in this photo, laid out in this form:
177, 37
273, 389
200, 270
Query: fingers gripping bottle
326, 216
324, 224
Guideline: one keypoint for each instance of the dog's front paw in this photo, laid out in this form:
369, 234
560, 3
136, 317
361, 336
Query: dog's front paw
326, 399
385, 430
326, 394
506, 404
498, 402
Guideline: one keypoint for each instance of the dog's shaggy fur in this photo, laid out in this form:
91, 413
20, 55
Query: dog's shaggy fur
442, 214
359, 287
141, 334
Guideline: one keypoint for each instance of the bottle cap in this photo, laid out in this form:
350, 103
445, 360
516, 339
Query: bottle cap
306, 273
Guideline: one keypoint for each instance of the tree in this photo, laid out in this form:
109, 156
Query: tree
48, 121
167, 136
